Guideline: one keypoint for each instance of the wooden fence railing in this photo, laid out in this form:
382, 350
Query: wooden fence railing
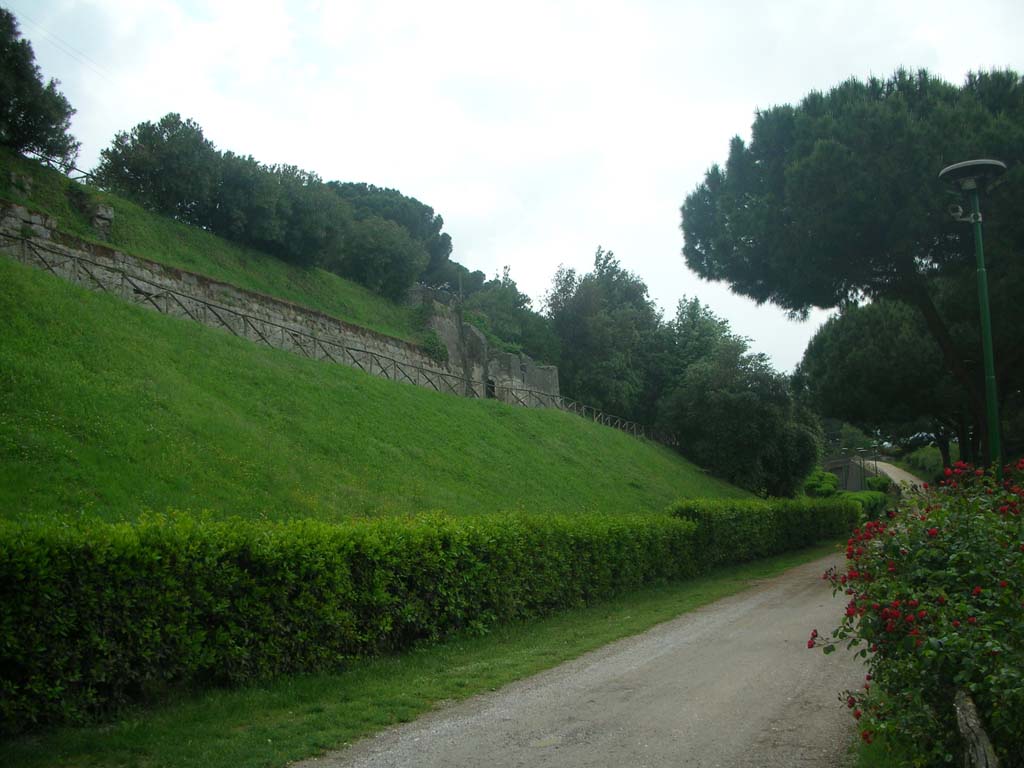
80, 269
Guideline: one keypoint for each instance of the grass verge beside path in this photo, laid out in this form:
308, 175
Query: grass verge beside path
293, 718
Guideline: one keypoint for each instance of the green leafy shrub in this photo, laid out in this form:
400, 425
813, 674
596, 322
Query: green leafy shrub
879, 483
926, 461
871, 502
821, 484
433, 347
735, 531
98, 615
936, 590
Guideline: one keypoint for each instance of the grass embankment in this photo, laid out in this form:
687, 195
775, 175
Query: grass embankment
292, 718
158, 238
107, 409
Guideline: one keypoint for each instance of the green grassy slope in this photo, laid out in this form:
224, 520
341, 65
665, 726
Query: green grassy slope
108, 409
161, 239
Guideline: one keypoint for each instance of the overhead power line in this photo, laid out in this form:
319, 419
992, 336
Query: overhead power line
67, 48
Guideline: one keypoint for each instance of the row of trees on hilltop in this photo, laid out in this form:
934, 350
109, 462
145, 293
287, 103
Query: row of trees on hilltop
836, 202
377, 237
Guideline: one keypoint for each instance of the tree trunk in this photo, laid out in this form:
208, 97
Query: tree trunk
942, 440
963, 436
978, 751
917, 295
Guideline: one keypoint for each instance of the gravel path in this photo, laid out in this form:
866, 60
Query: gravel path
731, 684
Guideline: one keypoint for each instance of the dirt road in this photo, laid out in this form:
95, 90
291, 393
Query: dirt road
731, 684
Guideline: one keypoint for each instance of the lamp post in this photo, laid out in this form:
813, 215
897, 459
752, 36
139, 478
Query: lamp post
966, 176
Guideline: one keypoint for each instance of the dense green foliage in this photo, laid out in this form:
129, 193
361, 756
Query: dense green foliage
876, 367
605, 323
378, 237
281, 721
871, 502
33, 117
734, 531
936, 589
928, 462
506, 316
690, 377
109, 409
880, 483
838, 198
821, 484
417, 219
99, 615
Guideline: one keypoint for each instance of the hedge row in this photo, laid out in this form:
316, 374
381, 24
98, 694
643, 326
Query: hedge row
95, 616
731, 530
873, 502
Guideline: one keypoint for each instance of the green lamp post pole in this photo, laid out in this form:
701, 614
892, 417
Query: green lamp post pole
992, 404
966, 175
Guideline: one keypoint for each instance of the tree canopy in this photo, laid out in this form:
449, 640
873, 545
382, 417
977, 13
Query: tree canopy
838, 199
504, 312
604, 321
169, 167
33, 117
876, 367
378, 237
690, 377
418, 219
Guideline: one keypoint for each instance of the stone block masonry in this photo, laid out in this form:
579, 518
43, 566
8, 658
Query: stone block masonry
35, 239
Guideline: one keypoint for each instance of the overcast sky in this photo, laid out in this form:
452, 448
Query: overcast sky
539, 131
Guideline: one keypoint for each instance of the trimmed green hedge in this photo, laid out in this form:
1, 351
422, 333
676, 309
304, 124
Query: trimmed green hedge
100, 615
872, 502
95, 616
730, 530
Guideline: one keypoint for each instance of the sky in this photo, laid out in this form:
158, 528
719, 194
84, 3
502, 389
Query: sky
537, 130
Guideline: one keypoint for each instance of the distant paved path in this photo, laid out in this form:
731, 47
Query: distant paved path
896, 474
731, 684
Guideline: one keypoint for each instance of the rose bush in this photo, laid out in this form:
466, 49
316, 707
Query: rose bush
935, 606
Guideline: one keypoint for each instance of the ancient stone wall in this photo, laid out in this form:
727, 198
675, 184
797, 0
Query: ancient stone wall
511, 377
35, 239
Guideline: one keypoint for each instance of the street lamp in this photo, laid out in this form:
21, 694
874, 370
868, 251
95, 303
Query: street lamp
966, 176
